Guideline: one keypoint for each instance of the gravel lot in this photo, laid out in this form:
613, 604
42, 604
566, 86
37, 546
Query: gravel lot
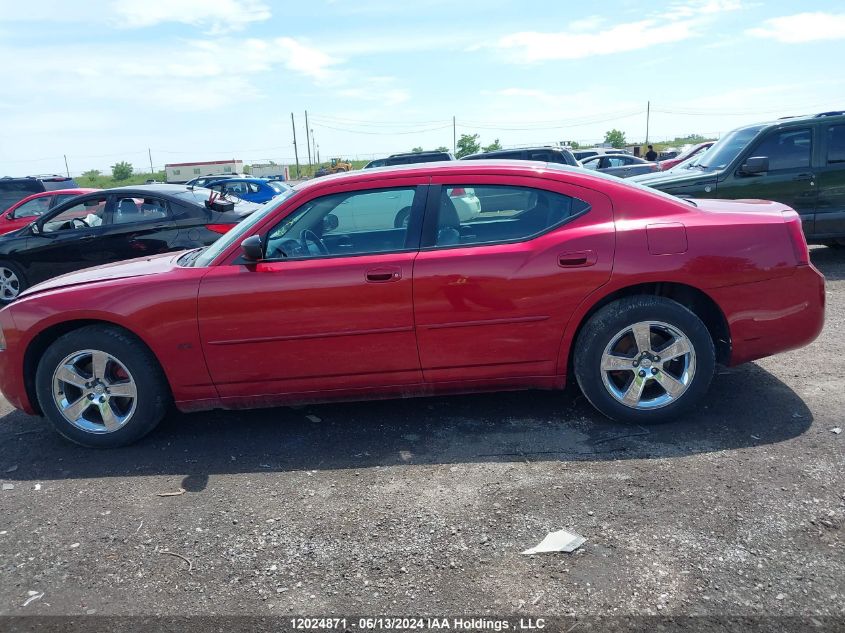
423, 506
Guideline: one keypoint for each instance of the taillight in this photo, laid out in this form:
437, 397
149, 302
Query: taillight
219, 228
458, 191
796, 235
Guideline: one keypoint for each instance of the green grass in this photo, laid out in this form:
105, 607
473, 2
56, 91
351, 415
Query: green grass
105, 181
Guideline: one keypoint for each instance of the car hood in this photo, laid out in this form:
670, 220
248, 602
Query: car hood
682, 177
119, 270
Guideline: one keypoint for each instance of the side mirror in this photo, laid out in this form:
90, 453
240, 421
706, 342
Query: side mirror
34, 228
252, 248
755, 165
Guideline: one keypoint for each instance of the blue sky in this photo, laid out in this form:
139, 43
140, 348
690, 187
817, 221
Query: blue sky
103, 80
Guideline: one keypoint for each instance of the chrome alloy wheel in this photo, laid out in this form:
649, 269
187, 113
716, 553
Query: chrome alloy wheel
10, 285
648, 365
94, 391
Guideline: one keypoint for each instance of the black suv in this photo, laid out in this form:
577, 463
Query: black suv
14, 189
799, 161
545, 154
409, 158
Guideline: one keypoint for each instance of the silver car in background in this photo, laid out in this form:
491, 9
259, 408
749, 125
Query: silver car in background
621, 165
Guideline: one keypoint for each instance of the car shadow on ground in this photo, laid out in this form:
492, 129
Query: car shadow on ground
746, 407
829, 261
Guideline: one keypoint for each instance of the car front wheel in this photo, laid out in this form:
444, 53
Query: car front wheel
101, 387
12, 282
644, 359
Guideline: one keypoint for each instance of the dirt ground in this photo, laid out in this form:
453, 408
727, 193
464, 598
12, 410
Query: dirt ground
423, 506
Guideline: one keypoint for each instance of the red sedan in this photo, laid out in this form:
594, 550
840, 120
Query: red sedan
663, 165
324, 295
25, 211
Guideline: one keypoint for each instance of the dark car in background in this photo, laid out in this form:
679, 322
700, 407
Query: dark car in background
558, 155
409, 158
112, 225
798, 161
14, 189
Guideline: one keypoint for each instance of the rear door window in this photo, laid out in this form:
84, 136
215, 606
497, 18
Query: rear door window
836, 144
489, 214
787, 149
129, 210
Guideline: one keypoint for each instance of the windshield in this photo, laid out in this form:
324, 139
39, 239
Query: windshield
728, 148
239, 230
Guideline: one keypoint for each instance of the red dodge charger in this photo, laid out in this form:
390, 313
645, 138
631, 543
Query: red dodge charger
425, 279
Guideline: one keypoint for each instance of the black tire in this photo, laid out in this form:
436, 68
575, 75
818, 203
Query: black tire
21, 285
402, 218
610, 320
153, 393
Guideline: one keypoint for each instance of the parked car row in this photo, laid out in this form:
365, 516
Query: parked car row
102, 226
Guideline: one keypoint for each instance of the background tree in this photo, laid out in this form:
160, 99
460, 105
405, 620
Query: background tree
417, 150
121, 170
442, 149
468, 144
91, 174
574, 144
493, 146
615, 137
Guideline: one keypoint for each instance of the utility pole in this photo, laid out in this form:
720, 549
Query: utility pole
150, 152
67, 169
317, 149
454, 136
295, 151
647, 116
308, 142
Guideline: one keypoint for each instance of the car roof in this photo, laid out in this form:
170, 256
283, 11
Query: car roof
429, 153
456, 167
533, 148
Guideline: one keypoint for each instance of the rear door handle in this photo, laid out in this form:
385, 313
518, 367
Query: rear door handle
577, 259
383, 275
810, 177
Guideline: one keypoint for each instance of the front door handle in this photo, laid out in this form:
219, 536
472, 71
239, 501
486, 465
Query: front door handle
809, 177
382, 275
577, 259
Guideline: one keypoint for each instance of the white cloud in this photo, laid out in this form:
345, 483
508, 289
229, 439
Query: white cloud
802, 27
582, 39
217, 16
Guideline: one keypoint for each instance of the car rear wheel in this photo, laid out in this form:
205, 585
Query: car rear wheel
12, 282
101, 387
644, 360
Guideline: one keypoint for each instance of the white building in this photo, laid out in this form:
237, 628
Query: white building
183, 172
268, 170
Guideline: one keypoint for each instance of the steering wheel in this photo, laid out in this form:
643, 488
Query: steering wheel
81, 221
309, 235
